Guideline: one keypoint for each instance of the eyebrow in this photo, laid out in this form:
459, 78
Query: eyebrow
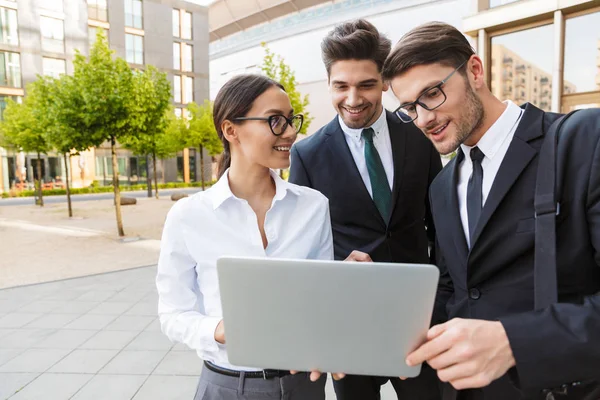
276, 111
360, 83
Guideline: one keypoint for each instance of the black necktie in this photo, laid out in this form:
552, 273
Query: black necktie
474, 192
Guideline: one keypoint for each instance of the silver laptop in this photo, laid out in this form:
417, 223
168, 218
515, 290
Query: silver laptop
332, 316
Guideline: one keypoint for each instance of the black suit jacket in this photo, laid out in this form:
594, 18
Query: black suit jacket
323, 162
494, 280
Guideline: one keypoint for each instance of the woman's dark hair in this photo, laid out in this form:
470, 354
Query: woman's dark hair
234, 100
355, 40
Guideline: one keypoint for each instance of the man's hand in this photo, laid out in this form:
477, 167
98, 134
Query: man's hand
359, 256
468, 353
220, 333
315, 375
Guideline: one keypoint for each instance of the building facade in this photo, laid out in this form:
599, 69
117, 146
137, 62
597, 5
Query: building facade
40, 37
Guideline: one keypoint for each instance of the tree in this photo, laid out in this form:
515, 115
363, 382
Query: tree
153, 94
108, 104
202, 133
20, 129
275, 68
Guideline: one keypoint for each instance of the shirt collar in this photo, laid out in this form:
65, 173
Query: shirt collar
356, 134
492, 140
221, 192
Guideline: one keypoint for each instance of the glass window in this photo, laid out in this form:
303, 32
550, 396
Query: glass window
55, 167
177, 88
133, 13
187, 57
8, 27
134, 48
176, 23
54, 67
582, 54
522, 66
93, 31
496, 3
3, 98
53, 35
186, 25
98, 10
10, 69
177, 55
188, 92
53, 5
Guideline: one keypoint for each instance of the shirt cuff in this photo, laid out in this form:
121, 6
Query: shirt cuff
207, 328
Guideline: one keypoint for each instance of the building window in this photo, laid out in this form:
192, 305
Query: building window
53, 35
133, 13
177, 89
176, 23
528, 56
182, 24
497, 3
8, 27
582, 54
10, 69
16, 99
98, 10
52, 5
177, 56
134, 47
188, 89
54, 67
93, 31
187, 57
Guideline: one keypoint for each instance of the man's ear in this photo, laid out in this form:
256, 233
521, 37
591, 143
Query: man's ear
476, 71
229, 131
386, 86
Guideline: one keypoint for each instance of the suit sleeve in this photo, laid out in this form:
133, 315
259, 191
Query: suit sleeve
435, 166
298, 173
561, 344
444, 291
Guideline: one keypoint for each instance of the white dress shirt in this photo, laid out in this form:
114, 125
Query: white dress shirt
383, 144
201, 228
494, 145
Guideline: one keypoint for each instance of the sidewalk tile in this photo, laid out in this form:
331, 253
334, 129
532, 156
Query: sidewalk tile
134, 362
25, 338
65, 339
43, 306
17, 320
113, 387
144, 308
150, 341
96, 295
13, 382
53, 387
90, 321
75, 307
34, 360
111, 308
168, 387
180, 363
84, 361
154, 326
65, 295
52, 321
109, 340
8, 354
129, 323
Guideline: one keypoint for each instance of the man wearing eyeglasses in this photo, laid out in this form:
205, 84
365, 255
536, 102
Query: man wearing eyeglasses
497, 342
375, 171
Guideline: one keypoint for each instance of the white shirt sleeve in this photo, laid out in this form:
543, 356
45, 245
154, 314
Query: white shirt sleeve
179, 299
325, 249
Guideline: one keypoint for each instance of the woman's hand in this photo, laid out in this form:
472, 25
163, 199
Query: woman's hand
220, 333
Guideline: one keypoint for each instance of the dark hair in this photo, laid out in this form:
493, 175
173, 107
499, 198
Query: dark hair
234, 100
430, 43
355, 40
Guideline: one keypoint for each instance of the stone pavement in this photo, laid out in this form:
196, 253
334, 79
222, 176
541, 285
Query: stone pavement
96, 337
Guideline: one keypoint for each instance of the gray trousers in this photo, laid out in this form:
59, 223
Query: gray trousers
215, 386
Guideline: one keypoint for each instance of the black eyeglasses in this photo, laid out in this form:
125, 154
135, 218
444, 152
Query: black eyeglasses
430, 99
278, 123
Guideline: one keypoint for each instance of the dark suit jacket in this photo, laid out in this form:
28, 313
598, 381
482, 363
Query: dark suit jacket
323, 162
494, 280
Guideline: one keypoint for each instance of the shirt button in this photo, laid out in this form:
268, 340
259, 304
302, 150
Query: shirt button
474, 294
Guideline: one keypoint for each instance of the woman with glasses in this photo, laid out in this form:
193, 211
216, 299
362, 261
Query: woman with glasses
252, 212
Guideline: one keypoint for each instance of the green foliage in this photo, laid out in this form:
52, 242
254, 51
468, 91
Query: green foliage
201, 129
275, 68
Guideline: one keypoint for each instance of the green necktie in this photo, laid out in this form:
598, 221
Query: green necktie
382, 195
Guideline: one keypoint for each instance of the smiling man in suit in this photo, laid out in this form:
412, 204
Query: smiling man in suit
376, 172
500, 341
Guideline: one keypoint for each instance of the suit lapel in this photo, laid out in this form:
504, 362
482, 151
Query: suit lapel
517, 158
344, 162
398, 141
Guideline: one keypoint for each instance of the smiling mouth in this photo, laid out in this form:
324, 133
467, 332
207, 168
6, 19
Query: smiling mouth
354, 110
440, 129
282, 148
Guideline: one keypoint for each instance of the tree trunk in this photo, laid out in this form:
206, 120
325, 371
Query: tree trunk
148, 180
40, 200
67, 184
113, 149
202, 165
155, 178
